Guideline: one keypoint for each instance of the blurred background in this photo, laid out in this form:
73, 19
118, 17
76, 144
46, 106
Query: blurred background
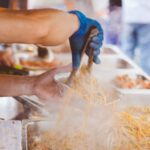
124, 72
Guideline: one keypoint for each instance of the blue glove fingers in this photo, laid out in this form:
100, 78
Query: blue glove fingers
97, 39
96, 52
96, 60
76, 59
95, 48
95, 45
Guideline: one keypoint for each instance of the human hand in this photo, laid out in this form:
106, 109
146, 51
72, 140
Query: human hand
6, 58
78, 39
46, 88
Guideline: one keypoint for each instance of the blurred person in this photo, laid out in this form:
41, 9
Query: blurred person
6, 58
46, 27
4, 3
136, 30
114, 26
6, 55
34, 4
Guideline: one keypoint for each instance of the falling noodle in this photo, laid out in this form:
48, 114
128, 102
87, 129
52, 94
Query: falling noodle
89, 120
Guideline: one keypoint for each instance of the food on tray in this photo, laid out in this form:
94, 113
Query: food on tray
36, 64
132, 82
97, 126
130, 132
135, 124
78, 134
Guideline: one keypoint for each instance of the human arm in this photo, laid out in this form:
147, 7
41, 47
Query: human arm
50, 27
43, 86
43, 26
46, 27
11, 85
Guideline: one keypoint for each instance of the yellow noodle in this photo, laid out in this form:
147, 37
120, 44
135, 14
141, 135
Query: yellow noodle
96, 126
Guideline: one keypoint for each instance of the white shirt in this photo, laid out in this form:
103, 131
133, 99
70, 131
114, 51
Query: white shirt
2, 48
35, 4
136, 11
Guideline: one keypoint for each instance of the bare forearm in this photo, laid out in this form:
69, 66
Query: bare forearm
16, 85
46, 27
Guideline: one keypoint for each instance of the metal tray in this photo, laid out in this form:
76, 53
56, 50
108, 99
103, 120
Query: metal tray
106, 77
11, 135
108, 51
126, 101
136, 100
112, 63
136, 90
9, 108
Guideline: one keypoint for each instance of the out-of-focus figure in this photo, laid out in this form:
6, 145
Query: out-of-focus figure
4, 3
114, 24
136, 30
6, 58
6, 55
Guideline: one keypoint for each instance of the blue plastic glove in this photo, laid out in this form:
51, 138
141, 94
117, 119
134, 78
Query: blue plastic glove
78, 39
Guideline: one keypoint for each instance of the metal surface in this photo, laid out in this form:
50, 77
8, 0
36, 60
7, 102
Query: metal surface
112, 63
107, 51
133, 100
14, 134
11, 135
32, 105
8, 108
109, 76
37, 123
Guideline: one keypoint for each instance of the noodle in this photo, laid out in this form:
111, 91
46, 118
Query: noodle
97, 124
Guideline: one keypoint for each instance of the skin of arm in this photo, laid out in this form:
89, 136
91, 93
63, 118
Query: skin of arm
44, 86
11, 85
45, 27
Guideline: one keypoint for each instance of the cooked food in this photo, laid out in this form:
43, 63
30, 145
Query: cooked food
36, 64
129, 82
128, 130
98, 125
